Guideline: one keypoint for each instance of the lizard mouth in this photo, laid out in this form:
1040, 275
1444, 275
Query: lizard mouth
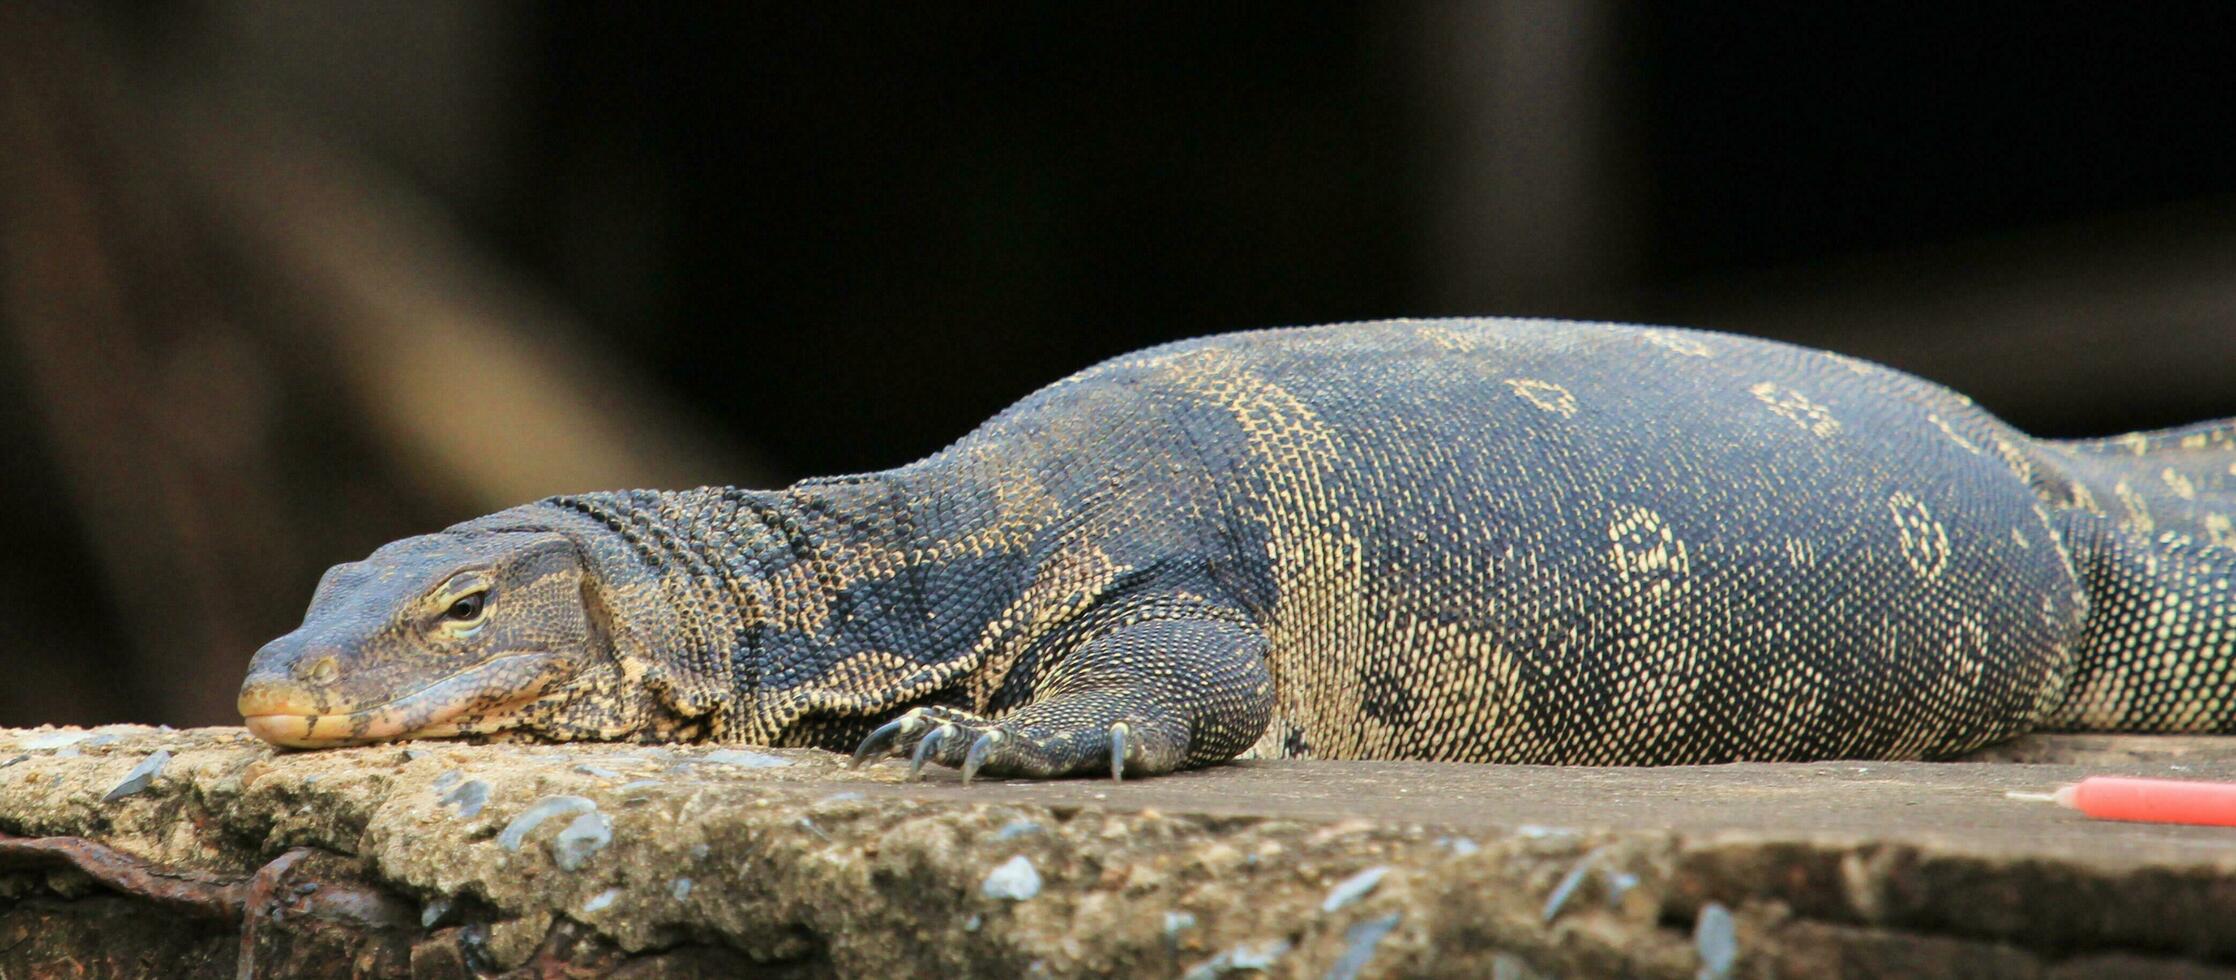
483, 698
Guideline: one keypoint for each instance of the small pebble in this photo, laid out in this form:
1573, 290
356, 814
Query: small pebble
68, 752
1568, 886
449, 779
1177, 923
306, 888
1017, 828
641, 784
473, 939
53, 740
414, 755
809, 826
1536, 831
1242, 958
436, 911
750, 760
587, 835
1352, 889
1014, 880
1459, 846
599, 771
141, 777
680, 888
1619, 884
1259, 956
699, 852
97, 741
551, 806
468, 798
1507, 966
18, 758
601, 900
1359, 942
1716, 938
971, 924
837, 797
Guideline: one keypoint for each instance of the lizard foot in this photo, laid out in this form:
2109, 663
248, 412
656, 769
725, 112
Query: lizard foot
962, 740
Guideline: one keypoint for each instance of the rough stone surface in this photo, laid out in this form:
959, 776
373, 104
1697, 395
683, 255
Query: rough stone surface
352, 860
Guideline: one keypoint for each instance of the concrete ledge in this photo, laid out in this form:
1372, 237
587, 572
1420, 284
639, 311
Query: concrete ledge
441, 859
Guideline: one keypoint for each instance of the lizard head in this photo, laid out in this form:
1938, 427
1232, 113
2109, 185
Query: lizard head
464, 632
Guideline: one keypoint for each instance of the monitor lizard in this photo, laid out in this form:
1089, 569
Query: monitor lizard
1489, 540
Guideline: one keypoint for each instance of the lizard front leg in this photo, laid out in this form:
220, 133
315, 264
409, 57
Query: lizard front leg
1142, 698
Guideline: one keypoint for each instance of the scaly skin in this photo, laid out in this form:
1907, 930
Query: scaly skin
1482, 540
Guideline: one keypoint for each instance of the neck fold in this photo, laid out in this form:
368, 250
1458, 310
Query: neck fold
766, 615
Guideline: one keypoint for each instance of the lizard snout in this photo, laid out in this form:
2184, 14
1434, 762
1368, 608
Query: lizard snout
289, 676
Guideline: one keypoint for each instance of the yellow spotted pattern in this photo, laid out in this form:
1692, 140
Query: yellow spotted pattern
1677, 343
1925, 543
1796, 407
1545, 395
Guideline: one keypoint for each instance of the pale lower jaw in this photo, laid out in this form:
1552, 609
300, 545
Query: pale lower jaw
477, 700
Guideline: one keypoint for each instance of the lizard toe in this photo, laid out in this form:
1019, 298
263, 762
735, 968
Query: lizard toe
879, 742
925, 747
976, 758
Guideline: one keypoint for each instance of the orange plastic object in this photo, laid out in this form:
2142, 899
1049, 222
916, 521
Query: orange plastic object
2152, 800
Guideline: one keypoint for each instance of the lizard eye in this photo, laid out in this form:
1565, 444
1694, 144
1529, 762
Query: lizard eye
467, 608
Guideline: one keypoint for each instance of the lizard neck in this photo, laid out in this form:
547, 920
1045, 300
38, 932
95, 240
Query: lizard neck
786, 616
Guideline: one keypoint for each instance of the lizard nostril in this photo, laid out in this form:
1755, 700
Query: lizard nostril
323, 670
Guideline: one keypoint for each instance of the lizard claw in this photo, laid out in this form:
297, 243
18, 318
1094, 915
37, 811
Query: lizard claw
1118, 752
878, 742
977, 755
975, 745
881, 740
924, 750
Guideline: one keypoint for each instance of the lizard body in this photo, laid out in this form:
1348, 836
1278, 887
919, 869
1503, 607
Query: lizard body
1482, 540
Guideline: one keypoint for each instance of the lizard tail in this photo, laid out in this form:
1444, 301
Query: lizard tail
2151, 527
2180, 480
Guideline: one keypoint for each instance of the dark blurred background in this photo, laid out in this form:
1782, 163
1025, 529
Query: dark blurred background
280, 282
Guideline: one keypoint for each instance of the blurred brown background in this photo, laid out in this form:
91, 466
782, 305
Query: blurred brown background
280, 282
